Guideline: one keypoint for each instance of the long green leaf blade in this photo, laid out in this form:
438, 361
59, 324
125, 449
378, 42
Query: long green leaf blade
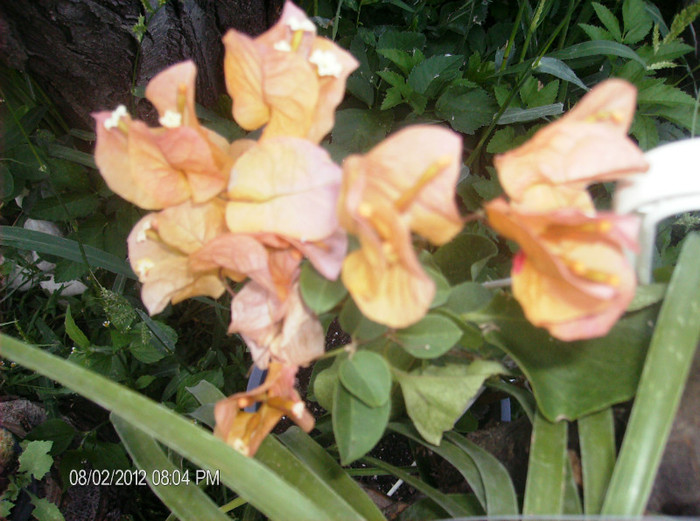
249, 478
275, 455
500, 493
13, 237
186, 501
456, 457
660, 388
597, 48
596, 434
326, 468
546, 472
449, 504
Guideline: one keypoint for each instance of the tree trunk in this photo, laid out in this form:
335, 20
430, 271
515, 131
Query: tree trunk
85, 55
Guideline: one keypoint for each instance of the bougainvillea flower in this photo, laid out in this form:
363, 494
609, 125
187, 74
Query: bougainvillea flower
405, 183
245, 431
284, 186
159, 248
587, 145
571, 275
287, 78
282, 330
159, 167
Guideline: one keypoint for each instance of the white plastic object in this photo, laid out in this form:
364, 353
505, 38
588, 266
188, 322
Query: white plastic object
670, 186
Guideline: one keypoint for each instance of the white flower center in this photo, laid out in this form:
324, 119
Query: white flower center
113, 120
298, 410
171, 119
141, 235
303, 24
327, 63
282, 46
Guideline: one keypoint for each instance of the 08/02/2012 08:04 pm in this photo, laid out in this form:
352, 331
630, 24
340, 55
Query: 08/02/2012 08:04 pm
129, 477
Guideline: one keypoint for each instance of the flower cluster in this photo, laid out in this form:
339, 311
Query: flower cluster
252, 210
571, 275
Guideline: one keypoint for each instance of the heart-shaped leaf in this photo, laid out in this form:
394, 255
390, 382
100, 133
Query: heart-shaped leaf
367, 376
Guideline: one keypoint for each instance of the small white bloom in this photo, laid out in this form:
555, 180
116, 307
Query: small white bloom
171, 119
301, 25
240, 446
141, 236
113, 120
298, 410
143, 266
327, 63
283, 46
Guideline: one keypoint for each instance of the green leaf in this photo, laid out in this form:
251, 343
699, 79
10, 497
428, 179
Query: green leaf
317, 459
356, 324
596, 33
597, 48
73, 155
325, 382
464, 256
15, 134
56, 431
290, 468
498, 486
458, 458
502, 141
609, 20
206, 393
645, 131
443, 67
636, 21
7, 184
466, 109
571, 379
64, 208
356, 426
546, 472
359, 129
597, 439
433, 336
277, 499
436, 396
185, 500
74, 332
319, 293
559, 69
468, 297
401, 59
647, 295
44, 510
392, 98
118, 309
660, 388
367, 376
13, 237
453, 507
35, 459
516, 115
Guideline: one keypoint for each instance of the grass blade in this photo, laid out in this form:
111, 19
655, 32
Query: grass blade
14, 237
186, 501
325, 467
597, 48
254, 482
546, 473
660, 388
596, 434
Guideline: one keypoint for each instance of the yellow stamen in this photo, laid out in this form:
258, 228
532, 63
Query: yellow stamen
181, 101
296, 39
614, 116
406, 198
579, 268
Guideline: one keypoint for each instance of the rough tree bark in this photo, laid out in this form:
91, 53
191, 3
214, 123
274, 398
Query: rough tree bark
84, 54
